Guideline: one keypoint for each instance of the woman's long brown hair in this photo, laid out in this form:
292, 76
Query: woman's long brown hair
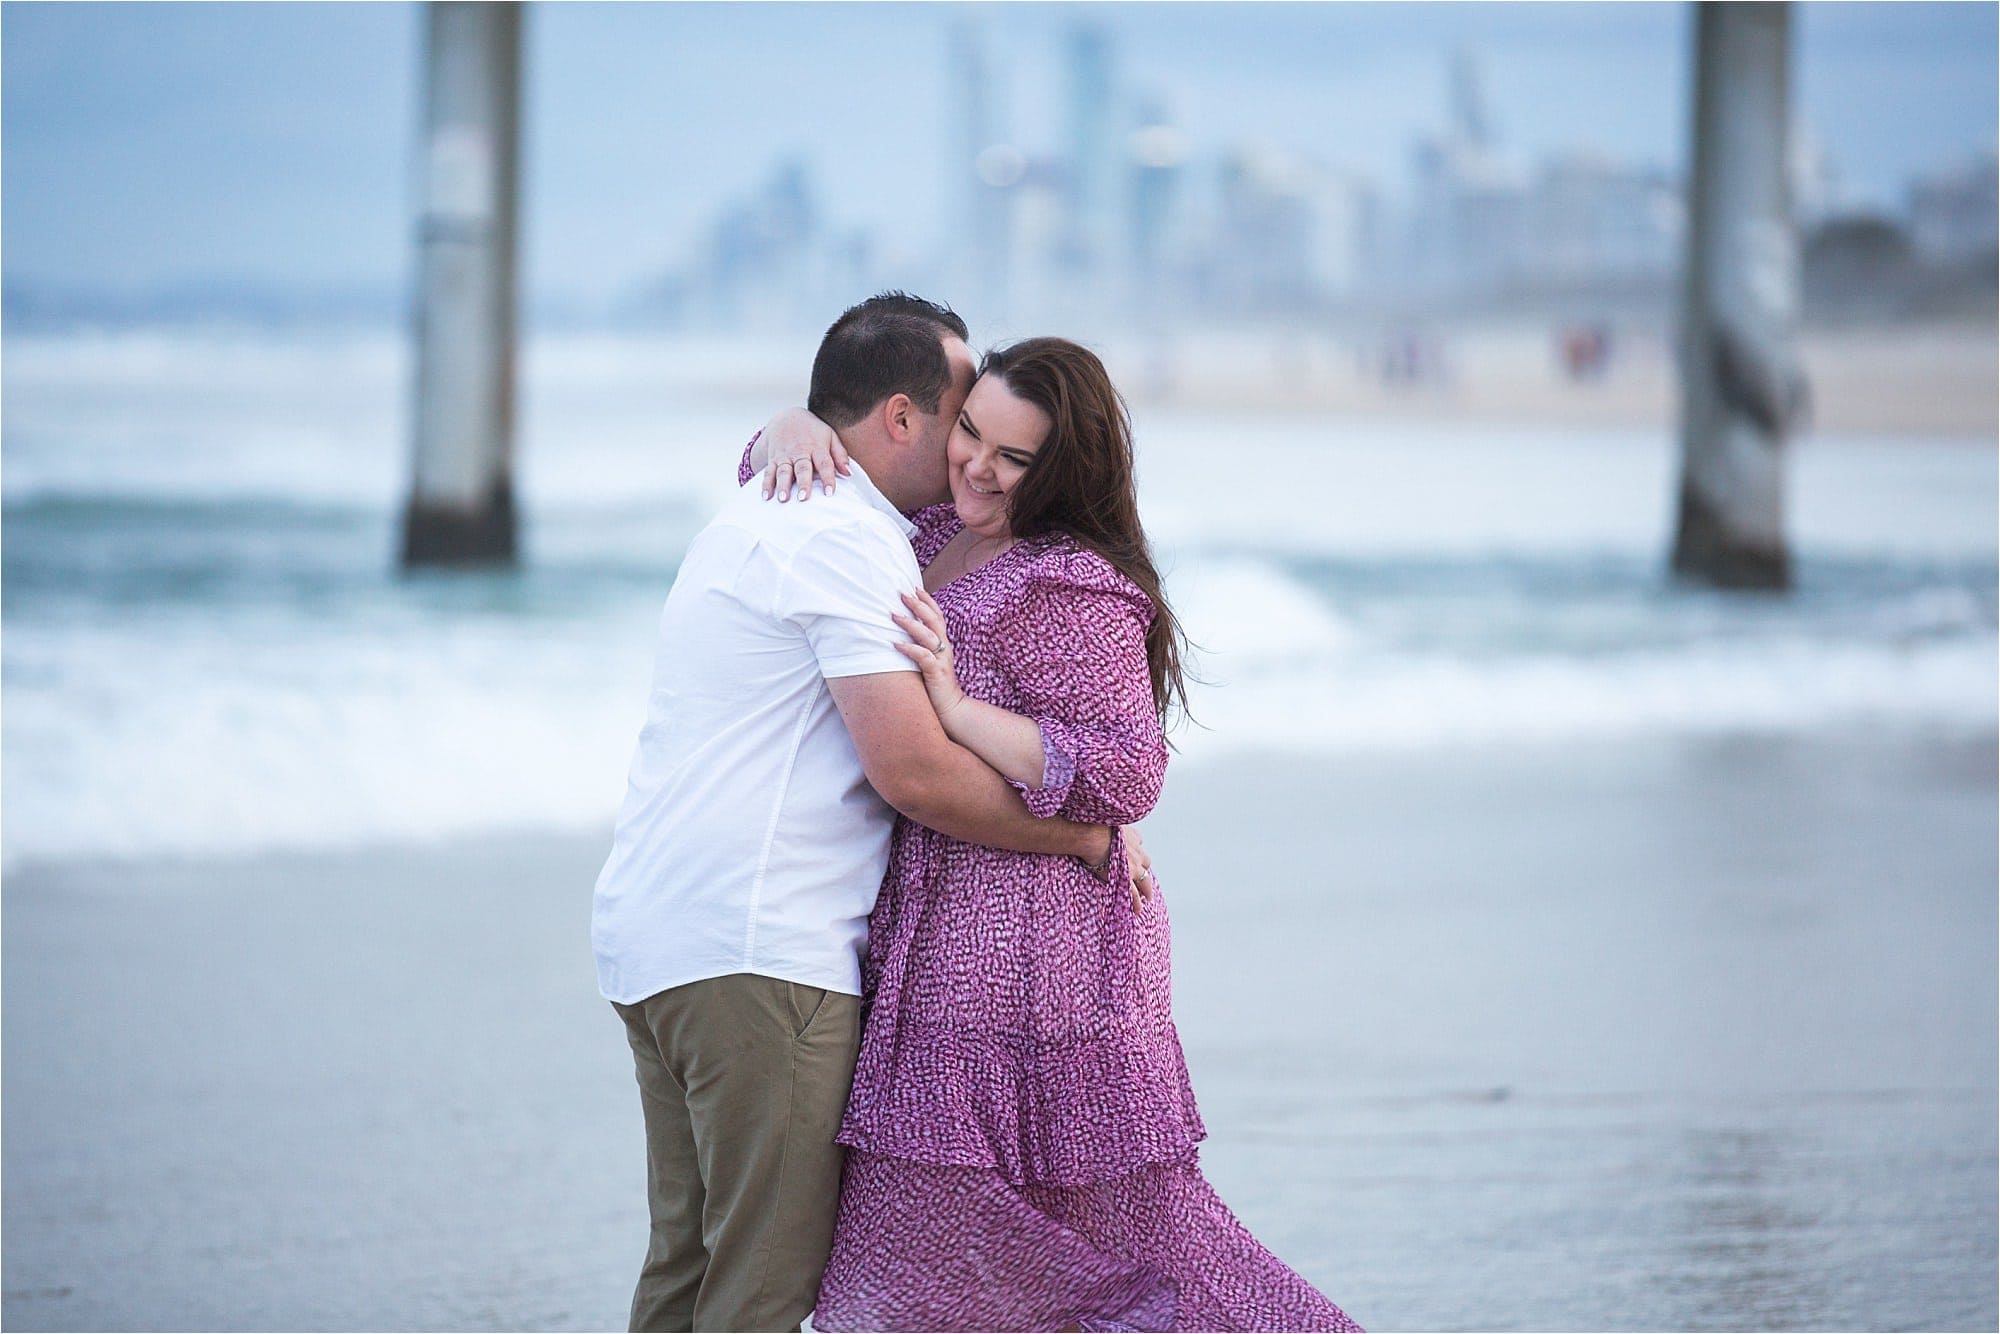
1081, 483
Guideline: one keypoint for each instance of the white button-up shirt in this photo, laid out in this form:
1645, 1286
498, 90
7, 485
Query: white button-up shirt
749, 840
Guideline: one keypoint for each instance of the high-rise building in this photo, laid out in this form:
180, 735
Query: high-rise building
771, 262
1468, 216
983, 172
1809, 174
1263, 235
1599, 226
1346, 211
1292, 234
1481, 230
1156, 153
1468, 221
1470, 123
1093, 160
1953, 212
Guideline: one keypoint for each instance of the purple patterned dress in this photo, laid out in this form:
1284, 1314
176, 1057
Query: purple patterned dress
1021, 1133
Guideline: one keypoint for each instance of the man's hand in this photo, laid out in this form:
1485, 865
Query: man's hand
1140, 863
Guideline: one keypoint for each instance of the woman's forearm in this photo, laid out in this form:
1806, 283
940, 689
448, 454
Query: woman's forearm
1007, 741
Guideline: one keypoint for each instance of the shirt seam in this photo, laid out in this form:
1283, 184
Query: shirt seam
779, 607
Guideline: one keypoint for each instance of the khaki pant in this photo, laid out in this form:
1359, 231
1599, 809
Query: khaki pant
743, 1080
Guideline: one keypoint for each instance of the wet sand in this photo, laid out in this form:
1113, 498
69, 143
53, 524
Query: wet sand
1674, 1034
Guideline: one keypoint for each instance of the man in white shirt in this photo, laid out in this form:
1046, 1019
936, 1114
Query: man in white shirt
784, 731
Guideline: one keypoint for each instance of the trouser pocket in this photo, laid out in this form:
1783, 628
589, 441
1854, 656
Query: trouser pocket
807, 1003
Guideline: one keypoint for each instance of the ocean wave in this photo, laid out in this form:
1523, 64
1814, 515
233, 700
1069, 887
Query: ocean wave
231, 728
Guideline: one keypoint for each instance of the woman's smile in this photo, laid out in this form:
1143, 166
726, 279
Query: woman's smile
994, 441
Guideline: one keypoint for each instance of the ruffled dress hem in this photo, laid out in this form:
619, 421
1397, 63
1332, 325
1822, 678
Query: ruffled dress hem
1072, 1115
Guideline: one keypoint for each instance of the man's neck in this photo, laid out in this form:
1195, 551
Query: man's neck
909, 500
876, 465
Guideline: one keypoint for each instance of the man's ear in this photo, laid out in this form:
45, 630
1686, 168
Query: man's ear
899, 415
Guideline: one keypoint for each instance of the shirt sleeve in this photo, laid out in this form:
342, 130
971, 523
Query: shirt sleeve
1076, 656
744, 472
841, 589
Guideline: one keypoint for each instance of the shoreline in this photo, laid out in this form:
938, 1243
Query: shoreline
1924, 379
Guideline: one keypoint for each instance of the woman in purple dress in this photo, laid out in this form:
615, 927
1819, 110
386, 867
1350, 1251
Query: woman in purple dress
1021, 1134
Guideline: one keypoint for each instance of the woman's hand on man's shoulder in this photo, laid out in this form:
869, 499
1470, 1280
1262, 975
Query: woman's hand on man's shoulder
800, 450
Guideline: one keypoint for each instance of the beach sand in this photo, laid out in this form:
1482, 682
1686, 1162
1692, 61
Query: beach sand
1932, 379
1693, 1033
1936, 379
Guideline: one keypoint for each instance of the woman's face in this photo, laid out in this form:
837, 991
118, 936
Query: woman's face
995, 440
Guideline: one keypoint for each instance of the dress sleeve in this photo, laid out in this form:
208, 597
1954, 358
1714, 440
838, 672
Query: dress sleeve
744, 472
1075, 653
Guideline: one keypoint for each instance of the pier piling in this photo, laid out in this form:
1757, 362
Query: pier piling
1743, 390
461, 501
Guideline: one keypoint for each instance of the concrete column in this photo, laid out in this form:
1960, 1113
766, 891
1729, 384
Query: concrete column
461, 504
1742, 388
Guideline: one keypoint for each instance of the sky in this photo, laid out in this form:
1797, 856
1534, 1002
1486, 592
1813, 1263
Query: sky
146, 146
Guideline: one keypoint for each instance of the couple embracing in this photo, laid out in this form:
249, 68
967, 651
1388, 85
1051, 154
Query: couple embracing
890, 961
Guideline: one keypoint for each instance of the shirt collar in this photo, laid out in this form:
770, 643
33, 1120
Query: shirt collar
859, 480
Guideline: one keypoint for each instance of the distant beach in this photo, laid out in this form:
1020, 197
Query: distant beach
1919, 380
1922, 380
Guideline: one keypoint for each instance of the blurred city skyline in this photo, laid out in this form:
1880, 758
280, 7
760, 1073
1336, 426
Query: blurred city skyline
728, 166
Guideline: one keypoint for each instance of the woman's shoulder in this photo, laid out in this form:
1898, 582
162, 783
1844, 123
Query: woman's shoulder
936, 524
1057, 565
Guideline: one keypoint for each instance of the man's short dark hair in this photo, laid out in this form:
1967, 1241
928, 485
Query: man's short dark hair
889, 344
